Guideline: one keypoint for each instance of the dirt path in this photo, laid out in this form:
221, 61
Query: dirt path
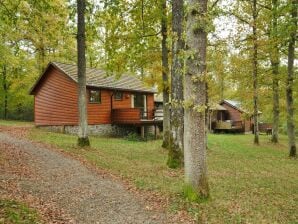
85, 196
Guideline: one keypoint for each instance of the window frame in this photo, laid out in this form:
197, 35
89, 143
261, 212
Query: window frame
142, 100
99, 96
115, 94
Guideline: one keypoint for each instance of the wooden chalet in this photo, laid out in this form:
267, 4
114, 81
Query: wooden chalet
228, 116
110, 100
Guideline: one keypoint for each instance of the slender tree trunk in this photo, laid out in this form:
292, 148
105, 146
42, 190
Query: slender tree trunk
5, 88
255, 74
175, 158
195, 98
83, 139
290, 80
275, 72
222, 87
165, 72
42, 51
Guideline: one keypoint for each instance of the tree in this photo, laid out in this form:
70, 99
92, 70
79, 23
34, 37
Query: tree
247, 13
5, 89
290, 79
175, 158
83, 139
165, 74
255, 71
274, 59
195, 98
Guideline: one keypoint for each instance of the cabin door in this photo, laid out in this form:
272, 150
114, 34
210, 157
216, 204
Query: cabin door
140, 101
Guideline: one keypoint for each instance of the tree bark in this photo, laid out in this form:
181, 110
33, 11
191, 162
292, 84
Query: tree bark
165, 72
255, 73
5, 88
275, 72
195, 98
83, 139
290, 80
175, 158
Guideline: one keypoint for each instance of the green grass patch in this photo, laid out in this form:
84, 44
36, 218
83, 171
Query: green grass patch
12, 212
15, 123
248, 183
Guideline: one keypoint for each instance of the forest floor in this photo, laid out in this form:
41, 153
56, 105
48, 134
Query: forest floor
248, 183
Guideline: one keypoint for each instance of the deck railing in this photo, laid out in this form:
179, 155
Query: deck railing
134, 115
229, 125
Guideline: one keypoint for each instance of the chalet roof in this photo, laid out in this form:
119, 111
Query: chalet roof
237, 105
217, 107
99, 78
234, 103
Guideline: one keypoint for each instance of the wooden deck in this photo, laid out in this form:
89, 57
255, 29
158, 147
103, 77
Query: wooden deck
135, 116
229, 126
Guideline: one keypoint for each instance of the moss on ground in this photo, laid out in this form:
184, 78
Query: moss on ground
12, 212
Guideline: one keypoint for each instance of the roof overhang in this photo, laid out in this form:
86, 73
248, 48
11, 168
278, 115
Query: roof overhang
42, 75
231, 105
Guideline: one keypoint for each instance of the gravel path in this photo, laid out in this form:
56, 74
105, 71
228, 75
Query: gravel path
87, 197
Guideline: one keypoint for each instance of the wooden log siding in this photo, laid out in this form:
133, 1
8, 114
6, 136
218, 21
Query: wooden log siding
150, 106
126, 116
236, 115
56, 100
56, 97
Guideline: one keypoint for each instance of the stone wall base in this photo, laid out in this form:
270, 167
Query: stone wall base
100, 129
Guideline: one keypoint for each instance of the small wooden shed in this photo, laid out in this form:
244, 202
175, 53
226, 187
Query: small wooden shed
229, 116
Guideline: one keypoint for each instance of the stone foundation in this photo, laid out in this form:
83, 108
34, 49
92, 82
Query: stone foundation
98, 130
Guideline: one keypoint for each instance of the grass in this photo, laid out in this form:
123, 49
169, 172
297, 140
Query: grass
249, 184
12, 212
14, 123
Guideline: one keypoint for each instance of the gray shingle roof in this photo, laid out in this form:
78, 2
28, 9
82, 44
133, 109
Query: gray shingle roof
234, 103
237, 105
99, 78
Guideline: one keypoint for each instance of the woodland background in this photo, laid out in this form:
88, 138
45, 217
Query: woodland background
125, 36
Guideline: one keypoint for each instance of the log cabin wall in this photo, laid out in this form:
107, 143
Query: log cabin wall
100, 113
150, 105
235, 115
56, 97
55, 100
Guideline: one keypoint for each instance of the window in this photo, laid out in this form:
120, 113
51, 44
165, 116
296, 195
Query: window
118, 95
139, 101
94, 96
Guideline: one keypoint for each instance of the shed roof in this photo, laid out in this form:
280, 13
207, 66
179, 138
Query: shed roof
217, 107
237, 105
99, 78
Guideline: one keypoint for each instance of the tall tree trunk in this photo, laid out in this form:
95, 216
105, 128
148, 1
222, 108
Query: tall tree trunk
165, 74
275, 72
222, 86
83, 139
5, 88
175, 158
255, 73
290, 80
195, 98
